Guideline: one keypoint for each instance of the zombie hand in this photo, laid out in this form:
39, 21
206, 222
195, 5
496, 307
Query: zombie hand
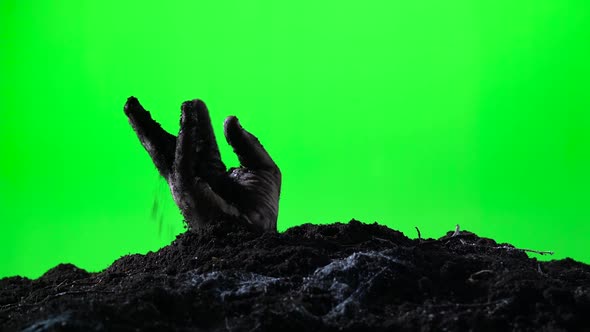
202, 187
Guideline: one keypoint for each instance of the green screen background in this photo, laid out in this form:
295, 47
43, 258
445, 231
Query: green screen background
410, 113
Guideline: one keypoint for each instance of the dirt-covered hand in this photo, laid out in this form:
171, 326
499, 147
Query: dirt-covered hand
202, 187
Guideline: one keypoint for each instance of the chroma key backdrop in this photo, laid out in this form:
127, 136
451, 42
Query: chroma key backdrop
409, 113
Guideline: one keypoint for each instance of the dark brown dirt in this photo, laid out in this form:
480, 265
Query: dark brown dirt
348, 277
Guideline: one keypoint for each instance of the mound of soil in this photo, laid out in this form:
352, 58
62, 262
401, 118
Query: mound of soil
339, 277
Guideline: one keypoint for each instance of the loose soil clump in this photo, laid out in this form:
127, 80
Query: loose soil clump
338, 277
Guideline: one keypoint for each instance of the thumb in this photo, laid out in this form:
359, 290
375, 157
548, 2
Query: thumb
249, 150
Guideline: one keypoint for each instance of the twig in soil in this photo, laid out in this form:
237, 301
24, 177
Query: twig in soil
479, 275
471, 305
382, 240
10, 306
508, 248
540, 252
61, 283
457, 231
419, 235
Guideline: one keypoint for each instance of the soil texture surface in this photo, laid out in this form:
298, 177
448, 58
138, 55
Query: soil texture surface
337, 277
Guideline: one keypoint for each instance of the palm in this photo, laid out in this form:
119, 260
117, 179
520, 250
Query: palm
202, 187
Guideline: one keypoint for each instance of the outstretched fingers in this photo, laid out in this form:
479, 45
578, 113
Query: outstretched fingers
208, 157
197, 201
246, 146
159, 144
185, 159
